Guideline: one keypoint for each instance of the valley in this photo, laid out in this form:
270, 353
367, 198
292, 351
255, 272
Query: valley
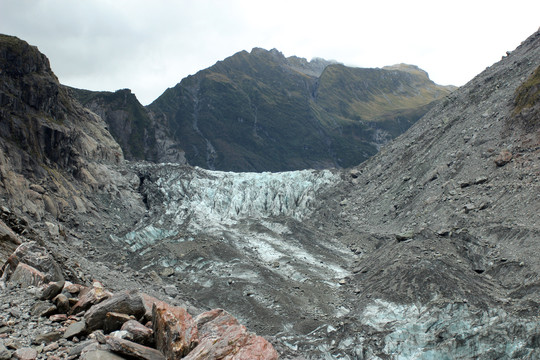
426, 250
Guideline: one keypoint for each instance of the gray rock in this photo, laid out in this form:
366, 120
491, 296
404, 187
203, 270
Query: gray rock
98, 335
43, 308
51, 347
39, 258
5, 354
88, 345
75, 329
138, 332
25, 354
131, 349
26, 275
47, 337
114, 321
100, 355
169, 271
52, 290
405, 235
62, 303
128, 302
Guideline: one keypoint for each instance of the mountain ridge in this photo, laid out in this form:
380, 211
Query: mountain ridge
262, 111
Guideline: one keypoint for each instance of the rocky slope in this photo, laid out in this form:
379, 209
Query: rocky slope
65, 320
56, 158
455, 207
260, 111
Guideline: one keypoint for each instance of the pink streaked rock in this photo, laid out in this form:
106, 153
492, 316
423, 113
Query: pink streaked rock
222, 337
174, 329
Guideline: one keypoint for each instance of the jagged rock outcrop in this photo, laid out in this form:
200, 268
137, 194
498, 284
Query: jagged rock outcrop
136, 129
57, 160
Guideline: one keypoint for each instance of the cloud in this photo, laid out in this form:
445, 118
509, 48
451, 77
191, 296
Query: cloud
151, 45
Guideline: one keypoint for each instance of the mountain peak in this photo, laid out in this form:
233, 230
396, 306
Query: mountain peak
413, 69
18, 58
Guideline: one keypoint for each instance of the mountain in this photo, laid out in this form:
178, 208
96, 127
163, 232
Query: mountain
56, 157
261, 111
59, 166
426, 250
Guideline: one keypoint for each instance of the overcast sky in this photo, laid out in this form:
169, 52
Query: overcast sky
148, 46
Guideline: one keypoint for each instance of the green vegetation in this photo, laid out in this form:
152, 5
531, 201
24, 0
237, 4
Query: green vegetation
528, 93
527, 96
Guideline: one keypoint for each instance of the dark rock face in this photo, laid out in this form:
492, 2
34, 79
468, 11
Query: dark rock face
57, 160
139, 133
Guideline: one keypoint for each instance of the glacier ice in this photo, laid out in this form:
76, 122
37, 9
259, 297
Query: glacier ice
210, 198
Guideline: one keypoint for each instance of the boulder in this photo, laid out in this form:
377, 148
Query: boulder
8, 241
138, 332
74, 288
89, 297
503, 158
25, 275
42, 308
7, 235
75, 329
149, 302
25, 354
127, 302
5, 354
222, 337
62, 303
47, 338
99, 355
83, 346
404, 236
133, 350
36, 256
99, 336
58, 317
53, 289
114, 321
175, 332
